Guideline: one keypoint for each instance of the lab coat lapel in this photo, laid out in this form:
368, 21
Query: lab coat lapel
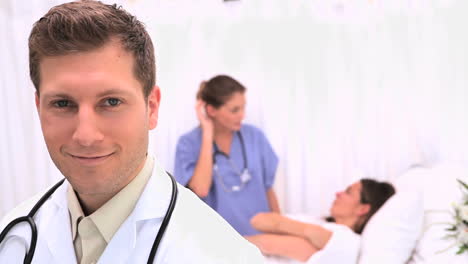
121, 245
57, 232
152, 204
156, 197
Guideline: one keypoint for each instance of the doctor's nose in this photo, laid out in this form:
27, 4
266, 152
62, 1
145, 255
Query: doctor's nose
87, 132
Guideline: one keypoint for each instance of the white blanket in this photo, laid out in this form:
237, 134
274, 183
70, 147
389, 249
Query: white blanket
342, 248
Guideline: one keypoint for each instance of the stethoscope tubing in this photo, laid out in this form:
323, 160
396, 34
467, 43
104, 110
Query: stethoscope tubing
165, 221
29, 219
244, 153
32, 248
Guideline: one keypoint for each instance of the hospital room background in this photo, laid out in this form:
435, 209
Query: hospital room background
343, 89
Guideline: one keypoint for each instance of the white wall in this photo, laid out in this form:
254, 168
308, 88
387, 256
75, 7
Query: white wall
338, 86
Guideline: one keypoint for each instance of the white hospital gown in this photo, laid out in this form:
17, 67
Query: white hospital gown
343, 246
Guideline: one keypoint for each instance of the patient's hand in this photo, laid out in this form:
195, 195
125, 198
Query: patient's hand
266, 222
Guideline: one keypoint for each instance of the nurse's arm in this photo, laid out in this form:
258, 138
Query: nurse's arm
293, 247
273, 201
201, 180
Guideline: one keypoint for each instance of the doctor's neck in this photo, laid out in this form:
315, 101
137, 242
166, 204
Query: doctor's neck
90, 203
93, 198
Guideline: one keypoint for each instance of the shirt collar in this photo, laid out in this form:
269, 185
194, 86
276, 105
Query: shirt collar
74, 207
113, 213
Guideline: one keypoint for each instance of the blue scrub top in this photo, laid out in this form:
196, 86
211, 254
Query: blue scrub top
240, 206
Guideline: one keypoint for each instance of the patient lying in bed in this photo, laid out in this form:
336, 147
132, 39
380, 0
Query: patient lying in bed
333, 240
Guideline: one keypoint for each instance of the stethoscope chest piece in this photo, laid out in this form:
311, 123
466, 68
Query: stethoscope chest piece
245, 176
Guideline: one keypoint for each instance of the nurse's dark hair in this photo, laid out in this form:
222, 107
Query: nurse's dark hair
88, 25
218, 90
375, 194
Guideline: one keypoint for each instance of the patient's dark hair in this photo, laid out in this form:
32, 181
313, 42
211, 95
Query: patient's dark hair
88, 25
218, 90
375, 194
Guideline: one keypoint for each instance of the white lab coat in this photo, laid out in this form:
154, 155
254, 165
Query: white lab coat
196, 233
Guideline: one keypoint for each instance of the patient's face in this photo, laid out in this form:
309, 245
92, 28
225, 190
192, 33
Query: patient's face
347, 202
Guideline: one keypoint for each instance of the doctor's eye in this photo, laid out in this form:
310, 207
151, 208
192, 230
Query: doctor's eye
61, 103
112, 102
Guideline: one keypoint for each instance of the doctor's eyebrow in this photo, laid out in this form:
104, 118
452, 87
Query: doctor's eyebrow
48, 96
114, 91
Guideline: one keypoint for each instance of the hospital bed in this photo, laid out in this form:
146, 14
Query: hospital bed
411, 227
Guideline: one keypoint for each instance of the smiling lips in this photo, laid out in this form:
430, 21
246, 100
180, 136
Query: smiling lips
91, 160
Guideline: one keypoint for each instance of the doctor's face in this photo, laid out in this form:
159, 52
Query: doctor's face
94, 117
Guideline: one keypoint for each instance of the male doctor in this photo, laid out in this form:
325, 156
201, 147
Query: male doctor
93, 68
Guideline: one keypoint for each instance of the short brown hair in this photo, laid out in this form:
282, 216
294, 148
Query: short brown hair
86, 25
218, 90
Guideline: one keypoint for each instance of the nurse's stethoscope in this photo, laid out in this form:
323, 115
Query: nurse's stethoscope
244, 174
29, 219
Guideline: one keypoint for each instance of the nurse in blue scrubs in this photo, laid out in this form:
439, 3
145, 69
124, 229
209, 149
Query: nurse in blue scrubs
229, 165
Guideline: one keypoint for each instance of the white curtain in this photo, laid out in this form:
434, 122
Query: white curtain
342, 88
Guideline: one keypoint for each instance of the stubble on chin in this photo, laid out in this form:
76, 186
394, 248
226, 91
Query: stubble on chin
103, 181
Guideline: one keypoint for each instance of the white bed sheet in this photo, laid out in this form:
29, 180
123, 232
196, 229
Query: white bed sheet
342, 248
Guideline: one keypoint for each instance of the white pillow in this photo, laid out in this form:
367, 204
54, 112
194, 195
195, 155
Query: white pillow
440, 193
391, 234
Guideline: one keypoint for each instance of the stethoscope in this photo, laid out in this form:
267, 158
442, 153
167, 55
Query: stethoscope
29, 219
243, 174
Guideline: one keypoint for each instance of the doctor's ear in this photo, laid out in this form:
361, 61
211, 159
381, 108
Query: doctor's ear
154, 100
37, 100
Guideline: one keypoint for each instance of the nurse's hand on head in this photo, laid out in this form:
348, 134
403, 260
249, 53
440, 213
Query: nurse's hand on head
206, 122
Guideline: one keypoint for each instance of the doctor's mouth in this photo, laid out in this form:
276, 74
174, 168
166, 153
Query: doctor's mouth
91, 160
